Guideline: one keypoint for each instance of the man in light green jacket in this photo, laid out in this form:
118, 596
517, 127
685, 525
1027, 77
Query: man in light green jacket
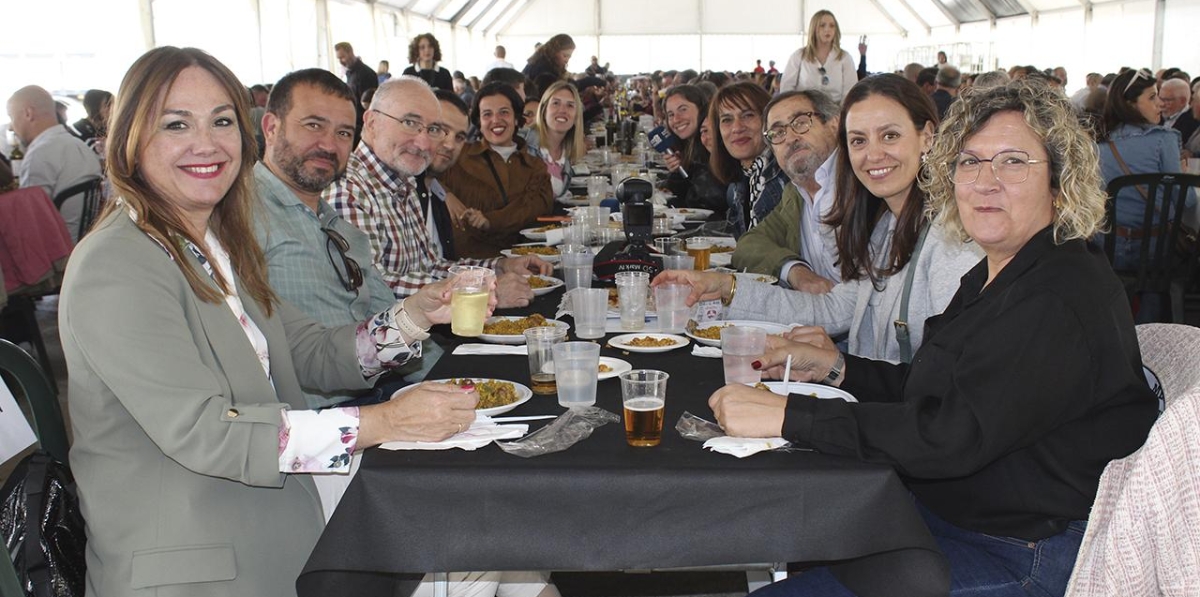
792, 242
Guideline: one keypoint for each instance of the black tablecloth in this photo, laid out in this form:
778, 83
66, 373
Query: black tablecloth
603, 505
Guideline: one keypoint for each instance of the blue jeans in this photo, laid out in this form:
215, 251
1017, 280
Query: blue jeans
980, 565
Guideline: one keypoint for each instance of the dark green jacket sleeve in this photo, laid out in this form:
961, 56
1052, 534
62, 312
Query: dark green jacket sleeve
776, 240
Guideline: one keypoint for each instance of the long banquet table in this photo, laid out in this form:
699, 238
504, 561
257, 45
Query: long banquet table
603, 505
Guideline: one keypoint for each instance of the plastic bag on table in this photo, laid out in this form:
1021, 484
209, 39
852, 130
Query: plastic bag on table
697, 429
568, 429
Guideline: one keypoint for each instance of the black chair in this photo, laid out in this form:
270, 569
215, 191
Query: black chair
18, 323
22, 375
92, 192
1156, 285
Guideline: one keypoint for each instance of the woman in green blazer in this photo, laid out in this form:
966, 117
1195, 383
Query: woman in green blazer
185, 369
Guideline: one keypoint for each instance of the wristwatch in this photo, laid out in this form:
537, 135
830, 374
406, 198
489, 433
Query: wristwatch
835, 372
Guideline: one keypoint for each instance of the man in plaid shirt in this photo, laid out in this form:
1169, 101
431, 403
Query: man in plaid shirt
378, 195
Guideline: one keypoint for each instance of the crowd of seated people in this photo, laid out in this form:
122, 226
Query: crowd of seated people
839, 183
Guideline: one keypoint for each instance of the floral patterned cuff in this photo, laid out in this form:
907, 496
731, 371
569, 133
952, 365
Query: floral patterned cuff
318, 441
381, 346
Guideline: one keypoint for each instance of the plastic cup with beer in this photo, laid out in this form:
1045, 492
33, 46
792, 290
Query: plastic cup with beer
700, 249
741, 346
644, 394
670, 302
540, 342
577, 262
576, 371
632, 288
589, 307
471, 286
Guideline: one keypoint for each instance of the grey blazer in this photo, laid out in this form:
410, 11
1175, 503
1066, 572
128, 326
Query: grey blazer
177, 427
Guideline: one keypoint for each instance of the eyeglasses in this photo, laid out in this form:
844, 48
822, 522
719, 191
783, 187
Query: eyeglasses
799, 125
824, 77
416, 127
1140, 74
350, 273
1009, 167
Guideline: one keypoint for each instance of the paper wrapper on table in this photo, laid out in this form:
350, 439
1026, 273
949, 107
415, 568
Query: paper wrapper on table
710, 352
491, 349
744, 446
481, 433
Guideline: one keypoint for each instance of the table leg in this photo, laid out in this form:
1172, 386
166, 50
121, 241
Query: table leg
441, 584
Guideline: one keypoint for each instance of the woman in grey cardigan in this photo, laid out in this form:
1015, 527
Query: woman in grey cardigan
897, 270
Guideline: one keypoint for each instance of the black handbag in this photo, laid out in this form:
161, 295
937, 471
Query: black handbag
42, 528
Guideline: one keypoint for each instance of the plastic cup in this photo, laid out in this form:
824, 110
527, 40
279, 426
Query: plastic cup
540, 341
470, 287
577, 266
578, 232
670, 302
678, 262
740, 346
668, 246
644, 395
597, 189
576, 366
700, 249
589, 307
631, 292
598, 216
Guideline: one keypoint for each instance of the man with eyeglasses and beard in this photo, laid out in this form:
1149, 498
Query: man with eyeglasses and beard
793, 242
379, 196
317, 260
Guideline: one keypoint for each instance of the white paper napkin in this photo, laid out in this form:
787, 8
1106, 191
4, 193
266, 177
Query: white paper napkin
489, 349
481, 433
744, 446
581, 169
554, 236
711, 352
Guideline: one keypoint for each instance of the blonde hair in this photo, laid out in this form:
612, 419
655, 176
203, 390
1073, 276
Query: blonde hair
573, 142
810, 50
1074, 162
134, 114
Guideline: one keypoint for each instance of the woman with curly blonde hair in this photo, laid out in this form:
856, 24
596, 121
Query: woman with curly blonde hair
1024, 388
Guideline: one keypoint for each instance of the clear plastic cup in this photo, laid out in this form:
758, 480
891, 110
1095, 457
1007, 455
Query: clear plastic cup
670, 303
740, 346
589, 307
700, 249
577, 262
668, 246
678, 262
597, 189
576, 370
644, 396
540, 342
471, 286
632, 288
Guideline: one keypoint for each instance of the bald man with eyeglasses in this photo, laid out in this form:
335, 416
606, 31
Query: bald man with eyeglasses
379, 196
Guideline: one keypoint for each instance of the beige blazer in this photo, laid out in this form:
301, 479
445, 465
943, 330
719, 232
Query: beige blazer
176, 426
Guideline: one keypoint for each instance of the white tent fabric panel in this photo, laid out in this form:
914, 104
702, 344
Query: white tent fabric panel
1179, 36
720, 16
542, 16
641, 17
178, 23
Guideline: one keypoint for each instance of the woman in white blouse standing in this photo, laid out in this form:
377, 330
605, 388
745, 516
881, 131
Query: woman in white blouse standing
821, 64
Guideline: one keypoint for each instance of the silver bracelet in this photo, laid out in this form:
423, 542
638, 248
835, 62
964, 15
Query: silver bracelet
835, 372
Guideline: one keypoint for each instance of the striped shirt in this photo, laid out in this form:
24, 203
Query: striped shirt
384, 204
